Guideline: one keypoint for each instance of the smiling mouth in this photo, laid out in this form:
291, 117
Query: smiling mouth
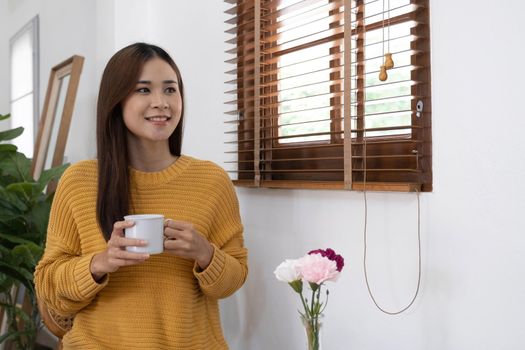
158, 119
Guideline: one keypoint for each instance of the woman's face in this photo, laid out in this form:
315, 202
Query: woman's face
152, 110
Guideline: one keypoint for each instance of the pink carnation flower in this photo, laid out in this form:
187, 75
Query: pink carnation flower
332, 255
316, 268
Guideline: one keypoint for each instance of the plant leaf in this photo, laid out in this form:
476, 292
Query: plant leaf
11, 133
7, 213
34, 250
51, 174
15, 335
14, 239
6, 283
10, 199
4, 252
25, 188
24, 257
6, 147
38, 218
19, 274
4, 116
17, 166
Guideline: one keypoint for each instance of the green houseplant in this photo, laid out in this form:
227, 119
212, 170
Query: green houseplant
24, 215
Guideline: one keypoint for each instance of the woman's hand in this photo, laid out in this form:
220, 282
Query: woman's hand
184, 241
115, 255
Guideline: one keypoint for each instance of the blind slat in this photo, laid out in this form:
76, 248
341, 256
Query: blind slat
409, 156
297, 18
251, 109
336, 56
366, 115
321, 145
294, 8
236, 29
239, 5
313, 85
383, 128
327, 170
246, 13
286, 29
319, 37
284, 137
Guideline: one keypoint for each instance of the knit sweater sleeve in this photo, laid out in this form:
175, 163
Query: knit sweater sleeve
63, 279
228, 268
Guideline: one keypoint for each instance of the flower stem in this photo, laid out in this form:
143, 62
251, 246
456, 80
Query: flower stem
307, 312
313, 303
326, 302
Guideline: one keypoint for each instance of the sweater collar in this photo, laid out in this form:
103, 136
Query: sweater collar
159, 177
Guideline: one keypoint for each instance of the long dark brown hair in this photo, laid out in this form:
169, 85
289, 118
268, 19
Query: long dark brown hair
118, 80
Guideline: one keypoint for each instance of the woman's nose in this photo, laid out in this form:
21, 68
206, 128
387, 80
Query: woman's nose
158, 100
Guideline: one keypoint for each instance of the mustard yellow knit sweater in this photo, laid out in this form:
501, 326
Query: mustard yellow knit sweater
165, 303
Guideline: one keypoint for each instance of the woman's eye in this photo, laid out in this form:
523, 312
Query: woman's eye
171, 90
143, 90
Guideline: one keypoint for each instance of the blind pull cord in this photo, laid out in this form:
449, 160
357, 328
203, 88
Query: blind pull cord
388, 62
365, 237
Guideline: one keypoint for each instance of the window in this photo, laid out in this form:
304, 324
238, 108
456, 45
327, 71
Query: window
305, 114
24, 85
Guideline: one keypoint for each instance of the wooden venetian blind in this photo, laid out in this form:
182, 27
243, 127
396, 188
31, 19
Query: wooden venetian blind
306, 107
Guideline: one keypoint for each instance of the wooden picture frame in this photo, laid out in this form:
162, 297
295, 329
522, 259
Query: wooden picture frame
54, 124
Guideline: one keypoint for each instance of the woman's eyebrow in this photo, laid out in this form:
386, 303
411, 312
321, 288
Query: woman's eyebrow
164, 82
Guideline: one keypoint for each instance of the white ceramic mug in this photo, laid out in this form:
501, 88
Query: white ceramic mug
149, 227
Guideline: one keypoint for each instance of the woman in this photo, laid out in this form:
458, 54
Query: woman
126, 300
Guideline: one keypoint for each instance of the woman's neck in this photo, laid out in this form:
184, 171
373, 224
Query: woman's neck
150, 158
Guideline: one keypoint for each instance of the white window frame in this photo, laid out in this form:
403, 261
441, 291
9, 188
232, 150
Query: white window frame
33, 27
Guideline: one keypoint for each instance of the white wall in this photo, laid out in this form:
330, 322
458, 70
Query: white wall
4, 60
4, 65
192, 32
472, 294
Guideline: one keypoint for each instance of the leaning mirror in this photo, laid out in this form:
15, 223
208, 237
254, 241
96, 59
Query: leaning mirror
56, 115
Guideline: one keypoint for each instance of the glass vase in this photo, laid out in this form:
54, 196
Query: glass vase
312, 327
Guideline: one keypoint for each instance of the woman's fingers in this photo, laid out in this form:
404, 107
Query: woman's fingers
118, 239
119, 226
123, 242
179, 230
125, 255
180, 238
177, 245
172, 233
178, 225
